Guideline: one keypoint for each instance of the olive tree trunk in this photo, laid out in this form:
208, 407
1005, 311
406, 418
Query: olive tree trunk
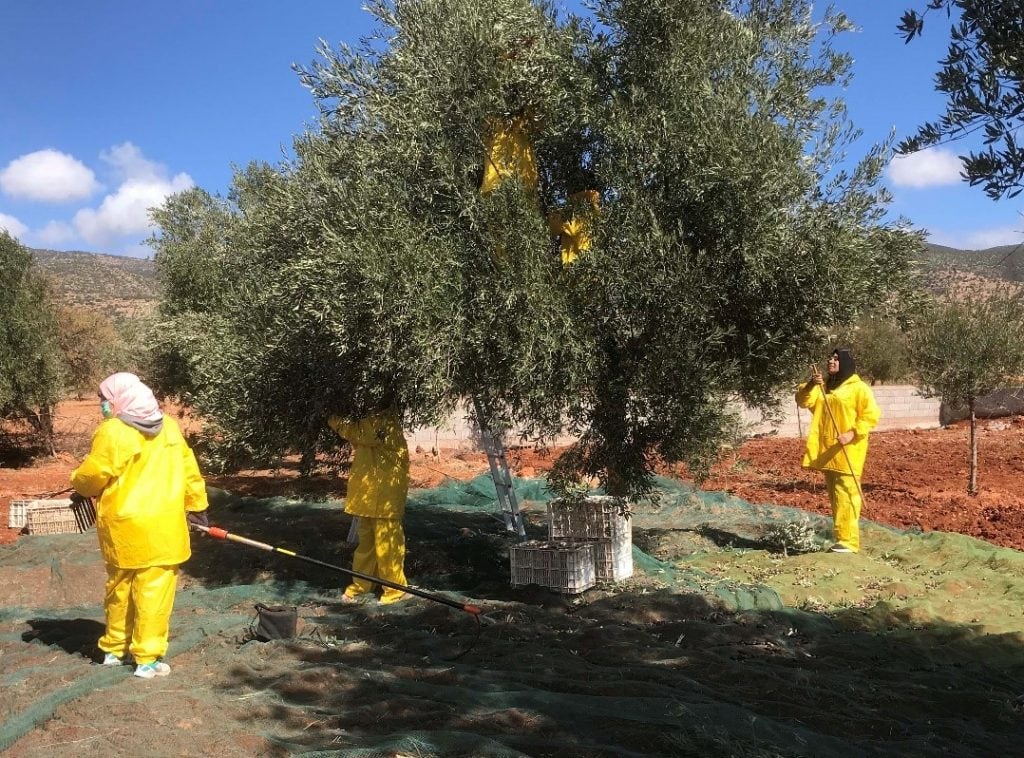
972, 484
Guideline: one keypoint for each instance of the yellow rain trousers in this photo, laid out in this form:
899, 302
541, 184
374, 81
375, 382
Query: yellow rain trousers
138, 605
378, 485
845, 498
853, 407
381, 552
143, 485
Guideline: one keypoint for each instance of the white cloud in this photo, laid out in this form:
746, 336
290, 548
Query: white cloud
129, 163
14, 227
54, 233
121, 219
49, 176
933, 167
979, 239
126, 211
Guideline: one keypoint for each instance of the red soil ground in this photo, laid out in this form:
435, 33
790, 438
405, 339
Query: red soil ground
915, 479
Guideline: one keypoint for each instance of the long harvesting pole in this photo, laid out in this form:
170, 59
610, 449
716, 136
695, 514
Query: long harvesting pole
224, 534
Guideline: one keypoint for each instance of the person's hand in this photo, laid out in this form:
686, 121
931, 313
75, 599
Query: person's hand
197, 518
847, 437
816, 376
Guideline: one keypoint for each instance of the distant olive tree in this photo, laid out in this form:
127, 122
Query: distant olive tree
964, 350
880, 346
30, 374
87, 340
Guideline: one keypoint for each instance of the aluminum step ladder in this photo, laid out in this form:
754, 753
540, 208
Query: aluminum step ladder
507, 500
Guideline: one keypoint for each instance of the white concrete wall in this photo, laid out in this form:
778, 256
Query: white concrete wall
902, 408
456, 434
901, 405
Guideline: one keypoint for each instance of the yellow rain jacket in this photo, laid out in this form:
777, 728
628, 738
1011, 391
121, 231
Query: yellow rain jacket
509, 154
575, 230
378, 482
853, 407
144, 485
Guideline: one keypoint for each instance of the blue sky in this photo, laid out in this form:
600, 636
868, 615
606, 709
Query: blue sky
107, 107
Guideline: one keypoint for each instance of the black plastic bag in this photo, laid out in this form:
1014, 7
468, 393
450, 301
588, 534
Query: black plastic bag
275, 622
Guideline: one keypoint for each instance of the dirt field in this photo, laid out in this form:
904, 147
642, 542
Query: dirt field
717, 646
913, 479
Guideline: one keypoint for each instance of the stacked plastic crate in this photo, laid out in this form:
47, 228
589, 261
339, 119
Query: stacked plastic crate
600, 521
561, 566
18, 513
51, 516
590, 540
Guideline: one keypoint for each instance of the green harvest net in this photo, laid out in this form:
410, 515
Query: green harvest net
707, 650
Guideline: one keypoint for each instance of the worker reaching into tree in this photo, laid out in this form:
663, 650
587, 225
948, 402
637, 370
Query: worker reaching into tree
844, 412
509, 155
378, 485
573, 226
149, 490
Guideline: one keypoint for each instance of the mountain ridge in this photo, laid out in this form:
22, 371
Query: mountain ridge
120, 285
113, 284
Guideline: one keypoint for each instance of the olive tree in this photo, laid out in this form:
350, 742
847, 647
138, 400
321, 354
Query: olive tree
30, 376
405, 256
968, 348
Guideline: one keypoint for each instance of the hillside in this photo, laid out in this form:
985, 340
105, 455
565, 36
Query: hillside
112, 284
1003, 262
947, 270
118, 285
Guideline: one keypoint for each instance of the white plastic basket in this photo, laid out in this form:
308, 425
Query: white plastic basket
58, 516
593, 518
613, 559
17, 516
562, 567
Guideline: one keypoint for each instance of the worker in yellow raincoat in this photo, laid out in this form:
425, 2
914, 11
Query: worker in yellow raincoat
509, 154
573, 227
837, 441
378, 485
148, 489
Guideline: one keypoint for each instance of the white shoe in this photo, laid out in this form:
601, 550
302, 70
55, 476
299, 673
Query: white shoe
839, 548
150, 670
112, 660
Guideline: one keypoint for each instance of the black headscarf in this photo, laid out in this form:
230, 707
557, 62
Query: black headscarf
847, 368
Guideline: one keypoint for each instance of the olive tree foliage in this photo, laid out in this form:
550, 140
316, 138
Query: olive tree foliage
30, 375
198, 270
966, 349
728, 241
982, 77
371, 271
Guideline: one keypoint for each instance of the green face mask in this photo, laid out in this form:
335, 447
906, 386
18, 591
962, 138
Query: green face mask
106, 409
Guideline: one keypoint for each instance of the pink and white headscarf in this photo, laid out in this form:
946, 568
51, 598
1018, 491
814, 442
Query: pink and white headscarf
128, 396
